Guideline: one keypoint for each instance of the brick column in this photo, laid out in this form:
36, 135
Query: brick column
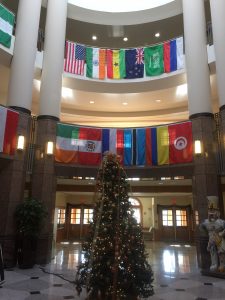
205, 179
12, 183
44, 184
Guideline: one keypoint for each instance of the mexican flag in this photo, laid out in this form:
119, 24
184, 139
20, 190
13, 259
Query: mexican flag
80, 145
6, 26
8, 130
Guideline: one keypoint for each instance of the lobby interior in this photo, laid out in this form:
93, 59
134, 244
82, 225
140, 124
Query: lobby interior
44, 95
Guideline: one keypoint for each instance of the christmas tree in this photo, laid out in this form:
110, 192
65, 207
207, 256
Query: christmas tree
115, 264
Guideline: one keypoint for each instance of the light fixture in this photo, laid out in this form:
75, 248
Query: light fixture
66, 92
157, 34
91, 102
158, 100
50, 147
94, 37
198, 147
20, 142
125, 103
125, 39
181, 90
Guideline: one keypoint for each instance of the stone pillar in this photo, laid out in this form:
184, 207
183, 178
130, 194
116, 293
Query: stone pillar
12, 183
51, 78
218, 28
44, 179
25, 49
205, 180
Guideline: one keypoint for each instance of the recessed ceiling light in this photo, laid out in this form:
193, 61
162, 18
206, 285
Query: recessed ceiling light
181, 90
94, 37
125, 103
125, 39
66, 92
158, 100
92, 102
157, 34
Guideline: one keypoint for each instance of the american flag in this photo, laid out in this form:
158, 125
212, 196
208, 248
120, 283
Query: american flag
139, 56
75, 58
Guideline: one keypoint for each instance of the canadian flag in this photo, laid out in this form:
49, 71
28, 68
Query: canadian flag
8, 130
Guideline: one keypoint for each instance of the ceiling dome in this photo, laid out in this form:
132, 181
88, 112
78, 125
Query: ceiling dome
118, 5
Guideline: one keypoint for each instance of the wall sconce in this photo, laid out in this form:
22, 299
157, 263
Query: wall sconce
198, 147
50, 148
21, 142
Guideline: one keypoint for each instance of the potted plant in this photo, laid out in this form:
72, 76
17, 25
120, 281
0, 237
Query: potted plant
29, 216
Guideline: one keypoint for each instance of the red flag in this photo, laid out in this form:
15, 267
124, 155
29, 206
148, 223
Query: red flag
120, 143
89, 146
180, 143
8, 130
148, 146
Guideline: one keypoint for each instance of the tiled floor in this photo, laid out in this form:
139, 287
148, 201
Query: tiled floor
177, 276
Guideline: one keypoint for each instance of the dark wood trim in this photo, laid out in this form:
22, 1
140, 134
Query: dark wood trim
135, 189
199, 115
222, 107
134, 171
21, 109
47, 117
174, 206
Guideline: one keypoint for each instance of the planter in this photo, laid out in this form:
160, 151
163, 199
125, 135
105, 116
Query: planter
26, 252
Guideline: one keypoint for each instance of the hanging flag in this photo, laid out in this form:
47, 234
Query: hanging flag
75, 58
66, 148
90, 146
109, 140
95, 60
154, 152
8, 130
6, 26
141, 146
113, 141
128, 149
154, 60
134, 59
173, 55
162, 145
116, 64
81, 145
180, 143
149, 142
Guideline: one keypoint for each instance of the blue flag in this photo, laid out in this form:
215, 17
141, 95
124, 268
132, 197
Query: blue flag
134, 59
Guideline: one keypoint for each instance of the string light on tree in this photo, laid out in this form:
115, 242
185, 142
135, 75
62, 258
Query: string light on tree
115, 265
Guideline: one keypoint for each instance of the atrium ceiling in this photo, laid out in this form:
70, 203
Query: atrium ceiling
128, 104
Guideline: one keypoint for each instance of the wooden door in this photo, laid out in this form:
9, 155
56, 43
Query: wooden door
175, 223
78, 218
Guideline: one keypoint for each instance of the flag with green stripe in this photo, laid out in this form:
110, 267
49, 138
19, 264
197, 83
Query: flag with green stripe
6, 26
82, 145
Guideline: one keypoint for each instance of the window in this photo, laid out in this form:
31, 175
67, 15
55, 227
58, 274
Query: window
88, 215
181, 217
61, 216
167, 217
75, 216
136, 209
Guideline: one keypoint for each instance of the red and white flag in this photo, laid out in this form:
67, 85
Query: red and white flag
180, 143
75, 58
8, 130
